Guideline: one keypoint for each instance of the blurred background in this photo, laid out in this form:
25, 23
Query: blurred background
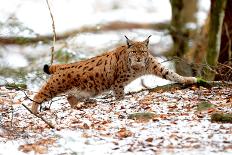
88, 28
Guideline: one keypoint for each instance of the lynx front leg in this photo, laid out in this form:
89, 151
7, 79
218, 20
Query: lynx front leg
80, 102
118, 92
49, 90
38, 99
157, 69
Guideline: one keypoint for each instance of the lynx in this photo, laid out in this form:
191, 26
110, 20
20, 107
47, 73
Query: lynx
110, 71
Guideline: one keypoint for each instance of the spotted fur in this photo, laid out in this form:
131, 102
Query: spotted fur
110, 71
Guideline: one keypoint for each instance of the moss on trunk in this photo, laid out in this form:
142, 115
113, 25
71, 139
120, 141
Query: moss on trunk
217, 13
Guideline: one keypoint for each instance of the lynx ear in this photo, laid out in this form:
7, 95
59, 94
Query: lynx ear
146, 42
128, 42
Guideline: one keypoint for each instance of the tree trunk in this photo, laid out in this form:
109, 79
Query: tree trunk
197, 55
183, 12
217, 11
225, 57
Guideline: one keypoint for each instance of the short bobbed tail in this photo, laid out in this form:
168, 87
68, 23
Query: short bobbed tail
46, 69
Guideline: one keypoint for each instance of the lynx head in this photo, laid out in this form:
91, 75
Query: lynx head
138, 53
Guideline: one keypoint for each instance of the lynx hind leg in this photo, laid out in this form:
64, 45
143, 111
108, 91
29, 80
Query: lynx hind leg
79, 102
72, 100
118, 92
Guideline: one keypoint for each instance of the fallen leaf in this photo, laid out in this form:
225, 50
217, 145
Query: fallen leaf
210, 110
85, 135
150, 139
124, 133
85, 126
26, 148
47, 141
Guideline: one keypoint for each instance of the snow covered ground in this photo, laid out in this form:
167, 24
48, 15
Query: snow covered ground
176, 127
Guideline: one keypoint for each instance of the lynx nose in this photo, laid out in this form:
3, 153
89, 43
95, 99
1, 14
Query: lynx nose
138, 59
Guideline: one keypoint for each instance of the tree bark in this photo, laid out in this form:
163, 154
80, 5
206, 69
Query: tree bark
217, 12
182, 14
224, 69
198, 53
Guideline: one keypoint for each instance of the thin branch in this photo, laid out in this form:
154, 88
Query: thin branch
48, 123
54, 33
29, 97
43, 119
144, 85
226, 66
111, 26
178, 86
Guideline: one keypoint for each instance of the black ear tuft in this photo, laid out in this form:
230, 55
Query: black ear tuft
147, 40
128, 42
46, 69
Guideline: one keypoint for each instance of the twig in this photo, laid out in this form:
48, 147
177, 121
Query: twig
226, 66
54, 33
12, 115
144, 85
29, 97
111, 26
48, 123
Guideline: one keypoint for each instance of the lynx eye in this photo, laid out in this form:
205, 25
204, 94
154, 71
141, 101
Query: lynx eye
133, 51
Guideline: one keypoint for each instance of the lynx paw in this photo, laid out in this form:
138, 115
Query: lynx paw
34, 108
